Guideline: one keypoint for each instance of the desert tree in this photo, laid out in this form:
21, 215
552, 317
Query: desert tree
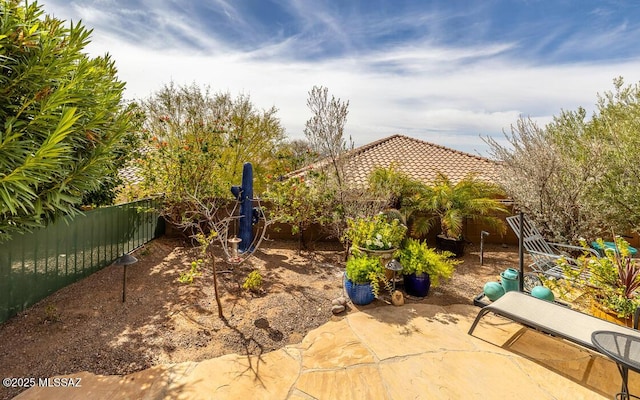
325, 129
325, 132
61, 114
341, 198
198, 142
612, 145
540, 173
577, 176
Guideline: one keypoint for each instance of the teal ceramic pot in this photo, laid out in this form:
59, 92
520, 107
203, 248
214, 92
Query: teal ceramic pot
510, 279
493, 290
543, 293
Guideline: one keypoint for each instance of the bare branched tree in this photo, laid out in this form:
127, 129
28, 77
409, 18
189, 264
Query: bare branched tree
325, 132
325, 129
541, 174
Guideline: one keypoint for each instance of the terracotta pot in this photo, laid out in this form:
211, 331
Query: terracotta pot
600, 311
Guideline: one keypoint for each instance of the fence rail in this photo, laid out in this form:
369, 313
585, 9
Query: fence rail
36, 264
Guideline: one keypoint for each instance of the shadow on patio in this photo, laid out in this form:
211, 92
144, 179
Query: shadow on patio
415, 351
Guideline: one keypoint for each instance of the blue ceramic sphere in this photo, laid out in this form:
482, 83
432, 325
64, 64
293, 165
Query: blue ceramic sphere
543, 293
493, 290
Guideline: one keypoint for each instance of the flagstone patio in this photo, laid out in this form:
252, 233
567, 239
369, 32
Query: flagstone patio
418, 351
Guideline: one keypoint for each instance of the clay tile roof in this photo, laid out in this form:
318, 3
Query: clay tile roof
418, 159
130, 174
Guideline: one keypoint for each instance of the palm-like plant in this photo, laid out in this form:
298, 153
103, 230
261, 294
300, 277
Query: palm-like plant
452, 204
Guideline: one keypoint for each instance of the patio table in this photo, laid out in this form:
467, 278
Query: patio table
624, 350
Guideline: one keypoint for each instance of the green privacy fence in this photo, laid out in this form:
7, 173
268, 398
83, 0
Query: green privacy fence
34, 265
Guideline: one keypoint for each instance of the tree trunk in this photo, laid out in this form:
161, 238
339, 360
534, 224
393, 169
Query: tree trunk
215, 282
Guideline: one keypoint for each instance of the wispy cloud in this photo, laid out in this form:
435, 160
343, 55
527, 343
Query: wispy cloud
432, 70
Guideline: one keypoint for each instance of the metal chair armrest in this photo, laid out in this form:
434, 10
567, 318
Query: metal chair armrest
551, 268
576, 248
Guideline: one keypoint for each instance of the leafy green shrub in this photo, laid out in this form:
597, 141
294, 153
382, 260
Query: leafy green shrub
417, 258
375, 233
297, 201
253, 282
62, 118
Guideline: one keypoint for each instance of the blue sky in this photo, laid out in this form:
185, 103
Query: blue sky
446, 71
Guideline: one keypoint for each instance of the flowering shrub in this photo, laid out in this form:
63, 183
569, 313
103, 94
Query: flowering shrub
375, 233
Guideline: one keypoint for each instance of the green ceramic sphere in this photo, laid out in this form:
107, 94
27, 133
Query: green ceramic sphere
543, 293
493, 290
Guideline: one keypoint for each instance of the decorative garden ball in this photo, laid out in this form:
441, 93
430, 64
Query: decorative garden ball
493, 290
543, 293
397, 298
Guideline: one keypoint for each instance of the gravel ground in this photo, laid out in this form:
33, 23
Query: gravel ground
87, 327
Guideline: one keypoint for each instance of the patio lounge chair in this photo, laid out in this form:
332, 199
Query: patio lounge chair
545, 254
619, 343
552, 318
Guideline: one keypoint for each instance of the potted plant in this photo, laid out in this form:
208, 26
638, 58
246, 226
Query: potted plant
378, 236
422, 267
363, 275
451, 204
613, 282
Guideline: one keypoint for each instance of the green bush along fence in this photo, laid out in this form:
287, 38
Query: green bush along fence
36, 264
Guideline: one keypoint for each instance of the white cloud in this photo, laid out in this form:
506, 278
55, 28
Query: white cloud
445, 94
483, 98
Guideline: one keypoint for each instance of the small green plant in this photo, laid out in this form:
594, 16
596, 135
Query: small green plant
253, 282
375, 233
362, 269
51, 313
194, 271
418, 258
145, 251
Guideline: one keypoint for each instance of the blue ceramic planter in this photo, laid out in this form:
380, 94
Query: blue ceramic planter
360, 294
417, 285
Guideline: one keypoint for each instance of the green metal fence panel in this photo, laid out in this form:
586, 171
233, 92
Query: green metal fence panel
36, 264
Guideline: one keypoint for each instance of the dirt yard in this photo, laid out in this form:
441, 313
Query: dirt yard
86, 326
